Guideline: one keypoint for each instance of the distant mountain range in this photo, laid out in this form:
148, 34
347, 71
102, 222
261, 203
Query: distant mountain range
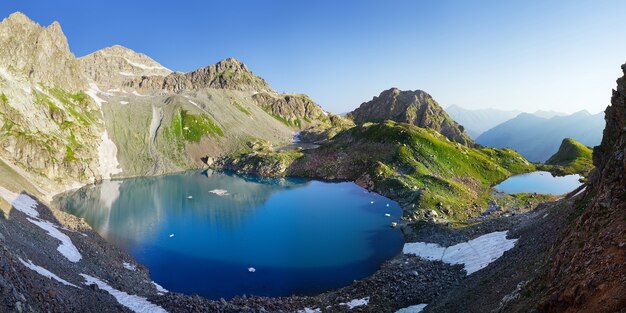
478, 121
537, 138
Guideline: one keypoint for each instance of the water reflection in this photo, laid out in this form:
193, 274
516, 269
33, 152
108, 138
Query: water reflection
301, 236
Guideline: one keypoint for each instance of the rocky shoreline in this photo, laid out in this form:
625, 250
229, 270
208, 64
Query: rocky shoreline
403, 281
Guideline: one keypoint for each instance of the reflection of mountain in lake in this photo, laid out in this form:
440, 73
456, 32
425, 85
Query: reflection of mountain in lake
137, 206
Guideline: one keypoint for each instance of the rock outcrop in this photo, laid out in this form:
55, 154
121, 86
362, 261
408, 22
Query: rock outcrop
588, 273
111, 67
295, 110
49, 127
413, 107
41, 54
226, 74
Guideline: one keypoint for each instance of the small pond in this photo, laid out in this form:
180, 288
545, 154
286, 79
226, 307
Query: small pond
539, 182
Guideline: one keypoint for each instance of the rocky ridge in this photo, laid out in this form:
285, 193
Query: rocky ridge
588, 273
226, 74
41, 54
412, 107
110, 67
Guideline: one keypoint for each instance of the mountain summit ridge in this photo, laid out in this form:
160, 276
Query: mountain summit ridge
415, 107
40, 54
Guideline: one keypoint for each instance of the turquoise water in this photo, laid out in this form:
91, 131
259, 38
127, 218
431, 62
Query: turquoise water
300, 236
539, 182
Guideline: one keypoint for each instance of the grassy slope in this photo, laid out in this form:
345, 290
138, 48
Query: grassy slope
416, 166
572, 158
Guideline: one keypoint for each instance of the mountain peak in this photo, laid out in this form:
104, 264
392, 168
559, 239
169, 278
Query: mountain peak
413, 107
40, 54
228, 73
19, 18
110, 67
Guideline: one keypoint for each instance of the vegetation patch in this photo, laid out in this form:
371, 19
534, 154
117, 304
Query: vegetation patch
187, 127
416, 166
572, 158
241, 108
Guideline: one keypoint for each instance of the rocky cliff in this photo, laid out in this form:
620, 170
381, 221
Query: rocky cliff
295, 110
42, 54
588, 273
110, 67
49, 127
413, 107
226, 74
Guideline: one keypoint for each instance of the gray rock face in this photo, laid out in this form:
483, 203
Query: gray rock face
227, 74
297, 110
110, 67
40, 53
412, 107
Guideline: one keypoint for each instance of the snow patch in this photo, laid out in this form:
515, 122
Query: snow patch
128, 266
138, 94
126, 74
23, 85
93, 92
66, 248
107, 157
412, 309
46, 273
474, 254
356, 302
123, 102
159, 288
219, 192
145, 67
309, 310
134, 303
27, 205
579, 192
20, 202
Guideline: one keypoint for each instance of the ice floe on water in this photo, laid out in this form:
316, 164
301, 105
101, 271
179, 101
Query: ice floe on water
27, 205
474, 254
356, 302
219, 192
44, 272
412, 309
134, 303
251, 269
66, 248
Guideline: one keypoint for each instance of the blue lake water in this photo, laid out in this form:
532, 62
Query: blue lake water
300, 236
539, 182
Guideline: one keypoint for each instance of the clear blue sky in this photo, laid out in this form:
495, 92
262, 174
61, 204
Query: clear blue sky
526, 55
